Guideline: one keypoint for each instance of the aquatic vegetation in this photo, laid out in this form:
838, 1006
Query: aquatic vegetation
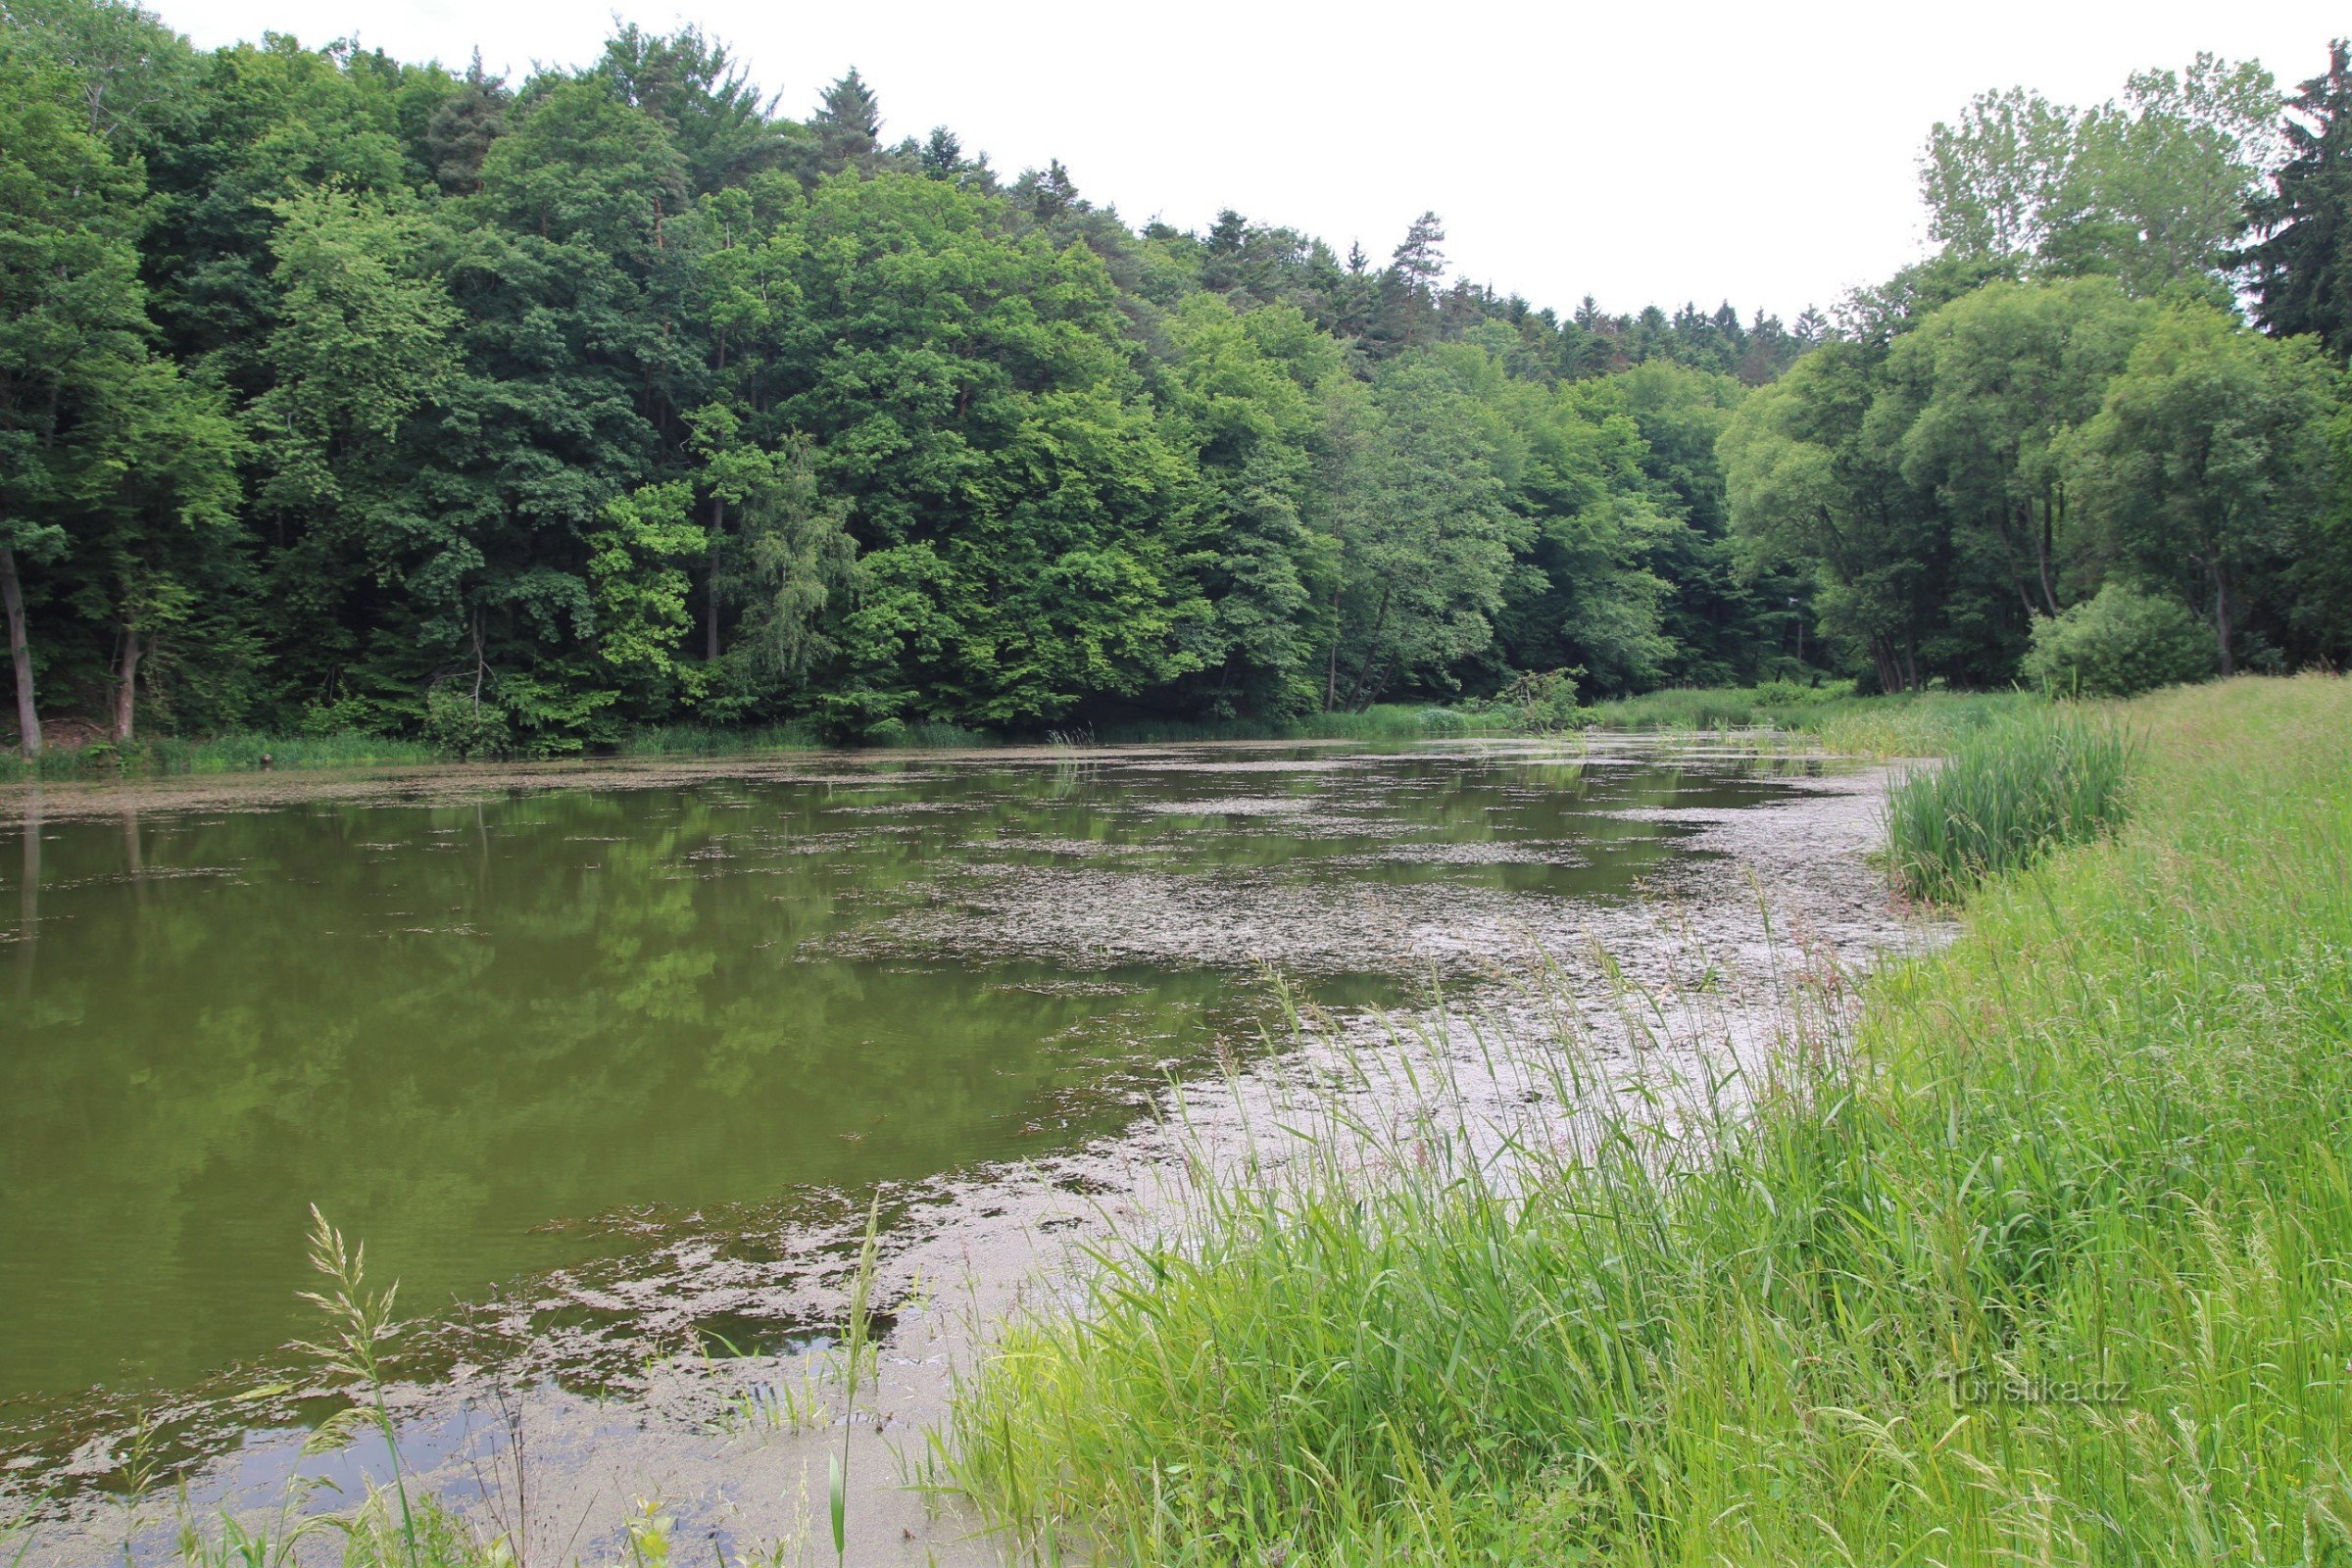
1904, 724
1381, 721
2006, 795
389, 1528
2043, 1262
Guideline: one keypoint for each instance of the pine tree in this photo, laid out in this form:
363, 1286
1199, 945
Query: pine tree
462, 128
1418, 260
941, 156
849, 124
2302, 268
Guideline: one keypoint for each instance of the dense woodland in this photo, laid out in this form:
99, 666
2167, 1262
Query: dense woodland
342, 394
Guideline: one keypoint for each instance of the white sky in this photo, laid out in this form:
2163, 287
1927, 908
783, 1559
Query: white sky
1640, 152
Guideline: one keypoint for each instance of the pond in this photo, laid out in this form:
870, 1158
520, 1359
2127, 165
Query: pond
501, 1027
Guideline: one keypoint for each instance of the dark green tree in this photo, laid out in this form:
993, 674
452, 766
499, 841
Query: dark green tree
2300, 272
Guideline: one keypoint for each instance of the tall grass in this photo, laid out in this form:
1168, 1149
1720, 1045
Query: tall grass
713, 740
394, 1524
2006, 795
220, 753
1909, 725
1381, 721
2047, 1261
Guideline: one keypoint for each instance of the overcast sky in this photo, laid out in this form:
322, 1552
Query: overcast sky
1639, 152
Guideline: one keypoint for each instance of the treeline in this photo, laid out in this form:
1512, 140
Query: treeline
343, 394
2059, 436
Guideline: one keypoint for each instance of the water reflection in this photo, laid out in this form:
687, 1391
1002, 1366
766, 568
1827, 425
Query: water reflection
460, 1027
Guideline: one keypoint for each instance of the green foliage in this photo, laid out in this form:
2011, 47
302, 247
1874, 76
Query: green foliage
2208, 463
2299, 281
1541, 701
2001, 456
611, 398
2117, 644
638, 586
458, 724
2005, 797
2151, 188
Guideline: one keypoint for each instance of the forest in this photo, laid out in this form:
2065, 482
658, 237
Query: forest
345, 395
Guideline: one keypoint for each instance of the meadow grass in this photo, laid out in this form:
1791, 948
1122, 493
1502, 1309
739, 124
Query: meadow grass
2048, 1260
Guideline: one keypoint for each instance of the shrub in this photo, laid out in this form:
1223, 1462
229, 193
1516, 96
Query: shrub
458, 725
1540, 699
2119, 643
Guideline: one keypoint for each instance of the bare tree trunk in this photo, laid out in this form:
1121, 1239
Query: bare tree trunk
2052, 504
2017, 575
478, 666
1890, 680
1380, 623
20, 655
127, 687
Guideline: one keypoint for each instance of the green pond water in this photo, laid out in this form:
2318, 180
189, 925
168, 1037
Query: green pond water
457, 1023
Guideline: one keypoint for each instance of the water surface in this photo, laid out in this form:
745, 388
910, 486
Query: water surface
469, 1027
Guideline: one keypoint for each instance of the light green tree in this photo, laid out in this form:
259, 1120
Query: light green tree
2209, 459
1422, 533
1983, 397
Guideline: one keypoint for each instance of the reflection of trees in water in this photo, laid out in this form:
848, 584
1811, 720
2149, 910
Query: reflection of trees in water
448, 1025
446, 1043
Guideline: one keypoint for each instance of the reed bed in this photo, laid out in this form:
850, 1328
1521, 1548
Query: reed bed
2050, 1259
1909, 725
2007, 795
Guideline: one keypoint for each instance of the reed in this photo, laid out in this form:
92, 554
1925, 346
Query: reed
2007, 795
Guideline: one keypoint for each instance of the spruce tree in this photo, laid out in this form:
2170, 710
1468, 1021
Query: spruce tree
2302, 268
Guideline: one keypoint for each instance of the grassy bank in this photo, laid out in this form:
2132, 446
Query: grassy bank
219, 754
1908, 724
168, 756
2051, 1262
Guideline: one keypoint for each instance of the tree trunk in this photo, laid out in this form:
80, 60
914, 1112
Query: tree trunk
1380, 623
20, 655
480, 667
1890, 680
2017, 575
127, 687
2221, 617
2042, 561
